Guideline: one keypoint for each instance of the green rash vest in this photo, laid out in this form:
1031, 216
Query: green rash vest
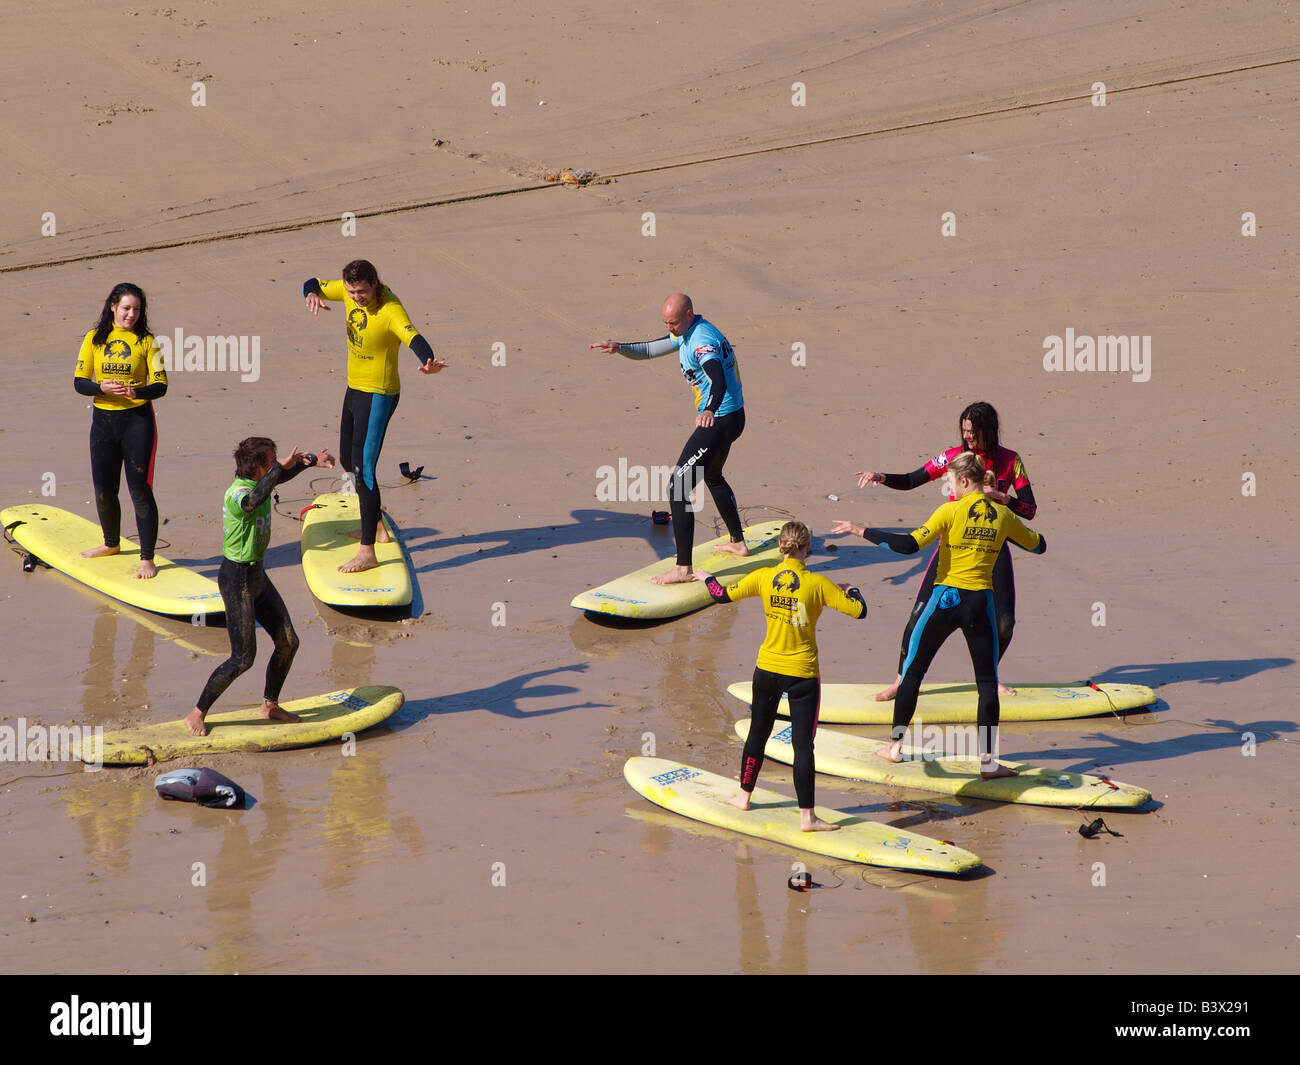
245, 535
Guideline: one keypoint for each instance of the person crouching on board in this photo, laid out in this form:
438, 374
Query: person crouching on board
246, 591
793, 600
971, 530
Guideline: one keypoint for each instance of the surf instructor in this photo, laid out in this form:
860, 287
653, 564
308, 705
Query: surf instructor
978, 426
377, 326
119, 366
709, 365
972, 530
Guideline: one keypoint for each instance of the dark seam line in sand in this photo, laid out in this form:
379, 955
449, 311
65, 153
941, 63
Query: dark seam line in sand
925, 123
257, 231
288, 227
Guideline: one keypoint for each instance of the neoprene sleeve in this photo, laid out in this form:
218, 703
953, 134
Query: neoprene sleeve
717, 385
276, 475
905, 482
421, 347
647, 349
901, 543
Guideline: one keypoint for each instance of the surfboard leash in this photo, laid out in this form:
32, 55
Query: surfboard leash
30, 561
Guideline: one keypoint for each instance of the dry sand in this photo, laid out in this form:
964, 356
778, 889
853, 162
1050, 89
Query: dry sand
815, 225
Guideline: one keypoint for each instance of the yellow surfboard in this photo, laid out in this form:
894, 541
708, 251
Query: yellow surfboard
57, 537
326, 545
855, 704
842, 755
636, 596
702, 796
324, 718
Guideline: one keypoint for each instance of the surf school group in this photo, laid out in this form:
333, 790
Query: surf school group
969, 583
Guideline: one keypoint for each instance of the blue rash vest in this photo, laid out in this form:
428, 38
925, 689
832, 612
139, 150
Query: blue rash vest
702, 342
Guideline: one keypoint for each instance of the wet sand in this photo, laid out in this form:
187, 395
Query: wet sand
488, 828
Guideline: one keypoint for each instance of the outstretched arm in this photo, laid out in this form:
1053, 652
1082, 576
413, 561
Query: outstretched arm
903, 482
902, 543
647, 349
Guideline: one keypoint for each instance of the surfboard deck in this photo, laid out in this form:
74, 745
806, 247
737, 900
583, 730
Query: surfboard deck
842, 755
636, 596
324, 718
57, 537
326, 546
700, 795
855, 704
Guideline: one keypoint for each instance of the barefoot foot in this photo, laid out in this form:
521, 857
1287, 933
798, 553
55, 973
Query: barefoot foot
888, 694
993, 770
194, 722
810, 822
891, 752
364, 559
100, 551
676, 575
740, 800
147, 571
381, 534
276, 712
1005, 689
735, 547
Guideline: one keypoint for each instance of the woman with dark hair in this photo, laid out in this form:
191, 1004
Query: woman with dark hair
377, 326
119, 365
247, 593
978, 426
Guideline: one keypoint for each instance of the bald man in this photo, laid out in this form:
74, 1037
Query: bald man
709, 365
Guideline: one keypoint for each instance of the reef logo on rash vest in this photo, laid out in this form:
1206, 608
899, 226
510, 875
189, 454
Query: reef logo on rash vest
357, 322
210, 354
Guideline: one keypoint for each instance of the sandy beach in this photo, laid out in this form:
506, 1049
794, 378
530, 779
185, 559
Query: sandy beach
888, 212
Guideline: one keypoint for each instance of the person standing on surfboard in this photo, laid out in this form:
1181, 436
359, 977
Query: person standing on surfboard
971, 530
247, 593
793, 600
119, 365
709, 364
377, 326
978, 425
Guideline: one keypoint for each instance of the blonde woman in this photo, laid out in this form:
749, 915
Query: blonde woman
971, 530
793, 599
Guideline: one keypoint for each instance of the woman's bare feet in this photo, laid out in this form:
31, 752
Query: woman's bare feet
273, 710
381, 534
100, 551
735, 547
147, 571
740, 800
892, 752
1005, 689
364, 559
992, 770
889, 693
810, 822
194, 722
676, 575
